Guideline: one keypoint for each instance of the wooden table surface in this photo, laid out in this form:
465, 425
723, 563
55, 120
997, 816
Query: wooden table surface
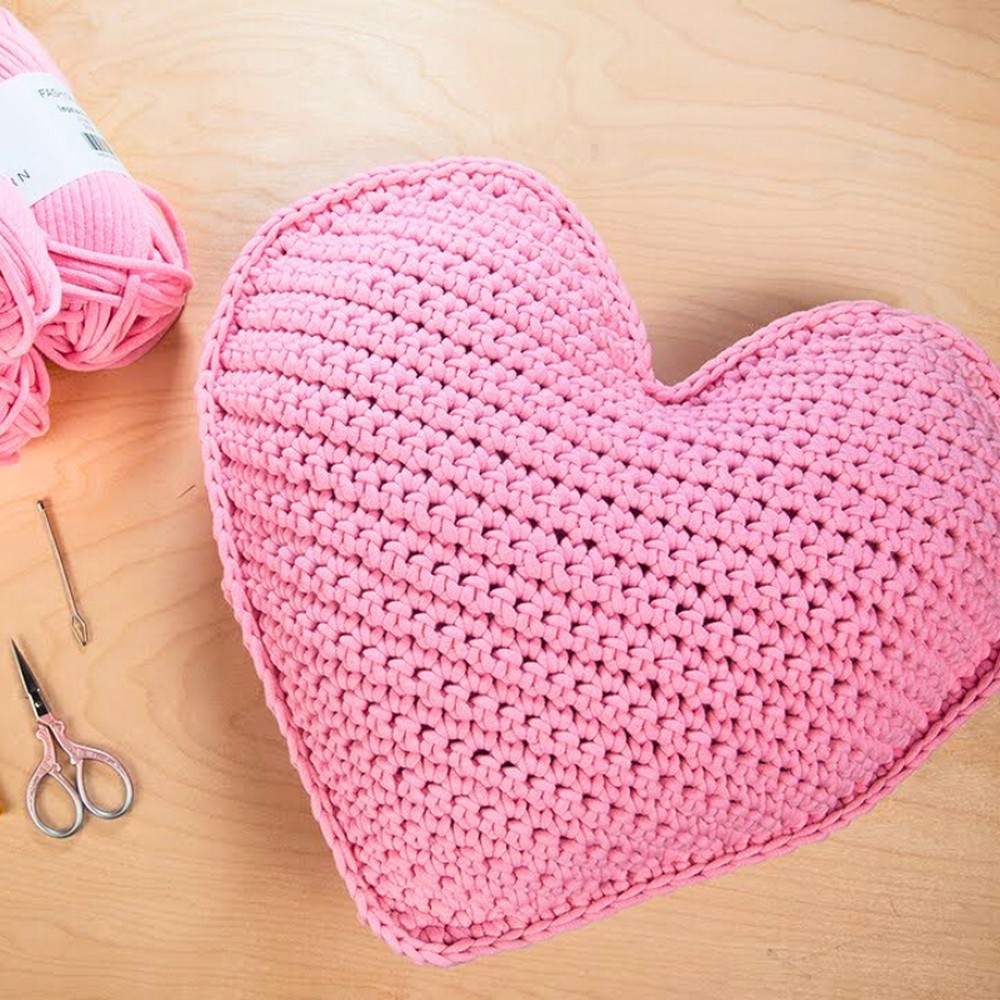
741, 159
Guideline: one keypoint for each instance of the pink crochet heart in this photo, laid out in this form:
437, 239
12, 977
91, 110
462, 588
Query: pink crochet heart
546, 636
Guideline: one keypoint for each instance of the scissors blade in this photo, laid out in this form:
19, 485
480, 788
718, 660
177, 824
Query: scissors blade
30, 682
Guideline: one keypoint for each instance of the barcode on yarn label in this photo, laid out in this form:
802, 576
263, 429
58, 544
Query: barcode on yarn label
46, 139
96, 142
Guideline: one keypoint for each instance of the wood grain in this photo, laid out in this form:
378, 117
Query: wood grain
741, 159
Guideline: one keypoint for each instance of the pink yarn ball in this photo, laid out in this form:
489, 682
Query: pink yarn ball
24, 398
118, 247
29, 281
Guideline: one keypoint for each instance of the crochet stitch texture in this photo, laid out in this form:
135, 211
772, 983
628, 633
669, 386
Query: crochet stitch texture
544, 635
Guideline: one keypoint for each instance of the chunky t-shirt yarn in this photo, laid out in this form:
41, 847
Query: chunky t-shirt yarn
119, 250
546, 636
30, 297
30, 292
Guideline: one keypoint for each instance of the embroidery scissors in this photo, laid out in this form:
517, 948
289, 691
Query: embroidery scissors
52, 731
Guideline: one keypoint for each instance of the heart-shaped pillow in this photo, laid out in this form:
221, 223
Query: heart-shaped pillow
544, 635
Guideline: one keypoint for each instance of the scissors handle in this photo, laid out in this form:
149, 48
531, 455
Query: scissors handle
48, 727
48, 767
79, 754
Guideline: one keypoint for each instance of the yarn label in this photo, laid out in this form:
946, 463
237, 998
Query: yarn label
48, 139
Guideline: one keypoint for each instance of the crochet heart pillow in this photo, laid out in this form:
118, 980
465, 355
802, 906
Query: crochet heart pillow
544, 635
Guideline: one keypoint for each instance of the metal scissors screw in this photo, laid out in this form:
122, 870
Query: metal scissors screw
51, 731
77, 621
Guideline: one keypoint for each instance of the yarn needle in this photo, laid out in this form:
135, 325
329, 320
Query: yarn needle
78, 623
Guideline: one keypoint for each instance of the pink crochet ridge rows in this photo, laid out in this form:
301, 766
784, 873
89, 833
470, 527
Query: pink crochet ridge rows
544, 635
